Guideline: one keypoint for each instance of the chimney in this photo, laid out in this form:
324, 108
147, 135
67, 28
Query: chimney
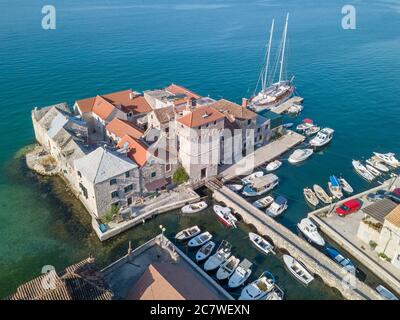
132, 95
245, 102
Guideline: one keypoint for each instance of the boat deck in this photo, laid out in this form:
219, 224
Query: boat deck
282, 108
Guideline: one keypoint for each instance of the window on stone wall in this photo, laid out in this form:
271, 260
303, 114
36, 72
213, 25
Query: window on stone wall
153, 174
114, 194
127, 174
113, 181
128, 188
168, 167
79, 174
84, 190
129, 201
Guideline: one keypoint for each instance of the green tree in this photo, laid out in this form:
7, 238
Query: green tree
110, 214
180, 176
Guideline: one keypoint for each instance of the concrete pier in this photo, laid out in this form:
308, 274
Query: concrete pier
318, 263
173, 200
262, 155
282, 108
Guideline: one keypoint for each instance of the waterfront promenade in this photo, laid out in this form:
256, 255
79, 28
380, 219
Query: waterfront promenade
343, 231
331, 273
262, 155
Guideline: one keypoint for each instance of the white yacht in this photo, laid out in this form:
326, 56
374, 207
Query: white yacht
322, 138
300, 155
362, 170
388, 158
309, 229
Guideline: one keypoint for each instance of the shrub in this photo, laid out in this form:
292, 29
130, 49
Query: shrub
180, 176
372, 244
110, 214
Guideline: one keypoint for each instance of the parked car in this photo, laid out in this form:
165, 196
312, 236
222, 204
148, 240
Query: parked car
349, 207
394, 195
379, 195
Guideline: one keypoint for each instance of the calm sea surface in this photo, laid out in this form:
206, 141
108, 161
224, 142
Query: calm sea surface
350, 80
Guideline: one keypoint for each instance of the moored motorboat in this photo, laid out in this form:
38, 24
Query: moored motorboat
385, 293
187, 233
200, 239
240, 275
321, 194
322, 138
276, 294
227, 268
260, 288
250, 178
306, 124
277, 207
388, 158
335, 188
376, 163
346, 187
340, 259
295, 108
362, 170
263, 202
194, 207
310, 231
311, 131
235, 187
223, 253
300, 155
310, 197
298, 270
261, 244
205, 251
374, 171
225, 216
261, 185
274, 165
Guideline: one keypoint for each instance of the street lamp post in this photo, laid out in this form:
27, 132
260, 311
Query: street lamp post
162, 235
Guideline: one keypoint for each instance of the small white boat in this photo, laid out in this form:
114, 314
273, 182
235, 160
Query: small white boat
240, 275
385, 293
309, 229
300, 155
188, 233
295, 108
261, 185
225, 216
263, 202
322, 138
250, 178
277, 207
276, 294
346, 187
321, 194
335, 188
260, 288
310, 197
298, 270
374, 171
195, 207
376, 163
200, 239
261, 244
313, 130
235, 187
362, 171
223, 253
274, 165
205, 251
388, 158
306, 124
227, 268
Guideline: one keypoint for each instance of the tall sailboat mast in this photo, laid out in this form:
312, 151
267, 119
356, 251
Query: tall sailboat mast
283, 48
265, 78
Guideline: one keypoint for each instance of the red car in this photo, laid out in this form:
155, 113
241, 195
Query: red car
349, 207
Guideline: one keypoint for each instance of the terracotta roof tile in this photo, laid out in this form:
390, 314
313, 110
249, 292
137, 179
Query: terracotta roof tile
165, 115
176, 89
200, 116
102, 108
394, 216
137, 150
233, 109
121, 127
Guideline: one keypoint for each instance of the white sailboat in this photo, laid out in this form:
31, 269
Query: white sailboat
272, 95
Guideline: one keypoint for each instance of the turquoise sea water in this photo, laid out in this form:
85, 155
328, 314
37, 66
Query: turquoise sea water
350, 80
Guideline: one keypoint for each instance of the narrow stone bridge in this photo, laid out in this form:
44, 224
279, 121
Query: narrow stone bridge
331, 273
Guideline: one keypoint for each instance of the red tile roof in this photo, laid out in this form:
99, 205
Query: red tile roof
137, 150
230, 108
121, 127
200, 116
102, 108
125, 100
176, 89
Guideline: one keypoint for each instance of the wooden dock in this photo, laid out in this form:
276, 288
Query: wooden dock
282, 108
